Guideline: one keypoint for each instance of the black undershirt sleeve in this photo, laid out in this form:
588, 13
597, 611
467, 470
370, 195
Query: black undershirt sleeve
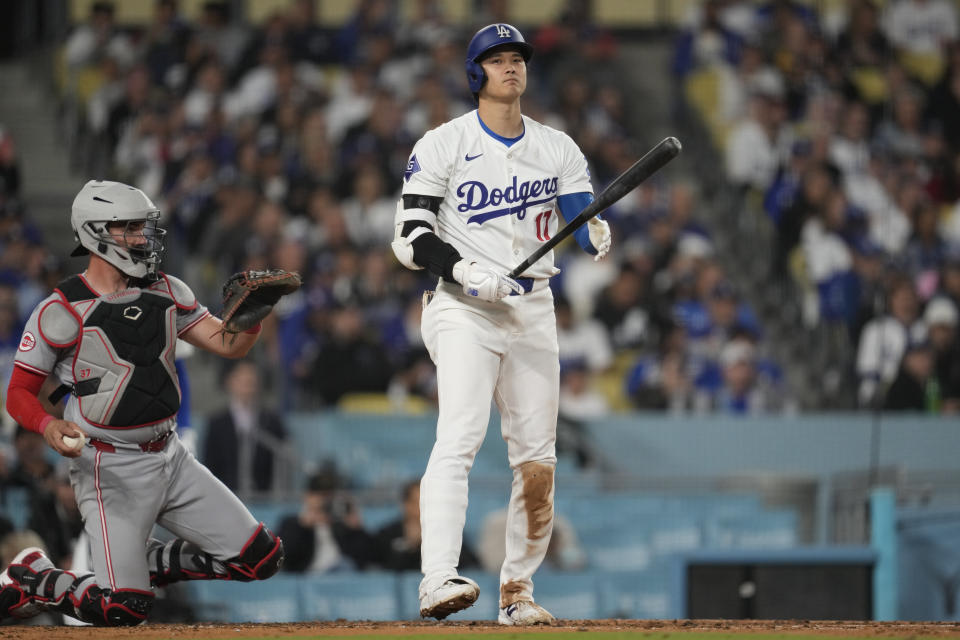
432, 253
429, 251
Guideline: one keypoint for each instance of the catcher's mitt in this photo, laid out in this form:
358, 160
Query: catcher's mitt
248, 296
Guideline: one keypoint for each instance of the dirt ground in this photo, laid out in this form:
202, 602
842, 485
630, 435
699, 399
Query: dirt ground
185, 631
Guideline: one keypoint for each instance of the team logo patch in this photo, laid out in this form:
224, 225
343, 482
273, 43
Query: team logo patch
503, 31
412, 167
27, 342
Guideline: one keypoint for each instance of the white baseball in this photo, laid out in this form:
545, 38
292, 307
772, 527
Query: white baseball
74, 442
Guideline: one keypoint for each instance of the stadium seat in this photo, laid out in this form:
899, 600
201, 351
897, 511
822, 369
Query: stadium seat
567, 595
381, 403
352, 596
278, 599
636, 594
764, 530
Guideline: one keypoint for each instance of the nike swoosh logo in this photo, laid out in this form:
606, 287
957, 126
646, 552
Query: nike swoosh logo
469, 157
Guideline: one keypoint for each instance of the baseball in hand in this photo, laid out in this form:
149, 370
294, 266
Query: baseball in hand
74, 442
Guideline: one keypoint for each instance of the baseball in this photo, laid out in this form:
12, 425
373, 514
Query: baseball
73, 442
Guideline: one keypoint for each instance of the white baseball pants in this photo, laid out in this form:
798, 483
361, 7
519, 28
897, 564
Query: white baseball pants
506, 351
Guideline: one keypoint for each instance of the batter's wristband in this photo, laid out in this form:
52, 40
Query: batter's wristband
255, 329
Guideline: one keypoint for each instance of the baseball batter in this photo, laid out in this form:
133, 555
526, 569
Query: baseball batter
109, 336
480, 194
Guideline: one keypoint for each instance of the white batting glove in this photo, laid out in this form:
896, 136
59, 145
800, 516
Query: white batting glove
599, 237
481, 281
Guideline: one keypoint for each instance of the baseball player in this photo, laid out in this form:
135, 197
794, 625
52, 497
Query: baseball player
480, 194
109, 335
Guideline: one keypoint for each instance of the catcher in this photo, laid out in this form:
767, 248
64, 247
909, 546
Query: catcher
108, 335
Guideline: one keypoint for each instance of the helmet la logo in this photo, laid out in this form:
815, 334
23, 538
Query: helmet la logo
503, 31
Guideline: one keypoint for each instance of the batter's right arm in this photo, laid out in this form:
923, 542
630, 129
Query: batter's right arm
418, 247
415, 244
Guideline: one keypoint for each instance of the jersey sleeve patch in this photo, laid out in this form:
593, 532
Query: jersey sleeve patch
413, 166
27, 342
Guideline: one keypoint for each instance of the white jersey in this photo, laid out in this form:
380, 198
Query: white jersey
499, 202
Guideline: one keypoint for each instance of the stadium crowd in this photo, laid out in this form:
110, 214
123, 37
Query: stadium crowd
282, 144
841, 130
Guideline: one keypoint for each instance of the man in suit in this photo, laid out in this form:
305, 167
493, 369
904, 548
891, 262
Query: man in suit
240, 443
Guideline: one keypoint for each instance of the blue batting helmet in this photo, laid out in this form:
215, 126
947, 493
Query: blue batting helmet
486, 39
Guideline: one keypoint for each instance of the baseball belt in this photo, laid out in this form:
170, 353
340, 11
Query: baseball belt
155, 445
527, 284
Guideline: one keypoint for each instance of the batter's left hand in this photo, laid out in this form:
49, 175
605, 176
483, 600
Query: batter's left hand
599, 237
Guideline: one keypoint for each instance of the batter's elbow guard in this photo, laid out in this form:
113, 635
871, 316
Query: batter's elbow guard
261, 558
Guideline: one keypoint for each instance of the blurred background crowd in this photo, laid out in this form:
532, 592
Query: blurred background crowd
803, 255
281, 144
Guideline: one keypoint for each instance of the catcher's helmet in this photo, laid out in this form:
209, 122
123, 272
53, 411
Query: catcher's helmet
491, 36
101, 202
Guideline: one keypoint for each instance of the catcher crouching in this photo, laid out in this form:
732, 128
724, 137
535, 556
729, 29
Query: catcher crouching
108, 335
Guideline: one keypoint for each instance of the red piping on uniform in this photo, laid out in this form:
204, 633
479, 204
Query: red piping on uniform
174, 298
194, 323
169, 354
103, 521
60, 599
76, 600
120, 383
86, 283
71, 311
250, 540
276, 546
31, 369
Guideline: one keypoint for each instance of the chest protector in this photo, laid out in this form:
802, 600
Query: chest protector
123, 366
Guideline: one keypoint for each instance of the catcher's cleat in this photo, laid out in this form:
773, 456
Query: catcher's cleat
524, 613
454, 594
24, 574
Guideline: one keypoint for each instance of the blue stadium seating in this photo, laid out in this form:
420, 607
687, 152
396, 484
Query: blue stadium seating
761, 530
632, 538
364, 596
636, 594
279, 600
570, 595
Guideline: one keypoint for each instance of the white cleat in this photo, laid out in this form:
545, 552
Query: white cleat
25, 566
524, 613
455, 594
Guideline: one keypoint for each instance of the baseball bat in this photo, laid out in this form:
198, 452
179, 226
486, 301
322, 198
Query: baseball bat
650, 163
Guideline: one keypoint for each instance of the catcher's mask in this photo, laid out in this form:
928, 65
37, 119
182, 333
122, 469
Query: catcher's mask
119, 223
